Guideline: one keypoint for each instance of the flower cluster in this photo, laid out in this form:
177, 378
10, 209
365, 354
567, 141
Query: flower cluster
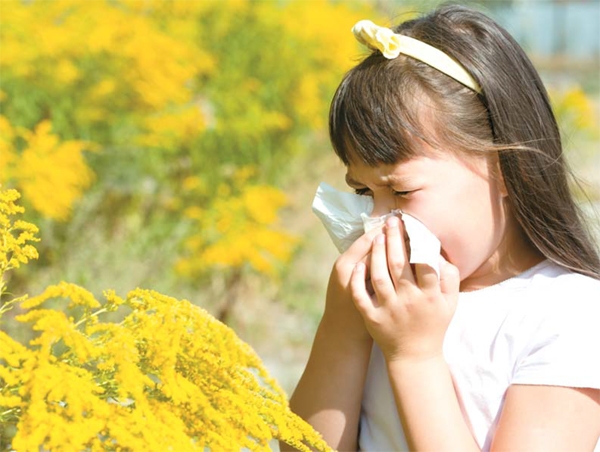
45, 164
144, 372
575, 111
238, 228
149, 86
15, 236
105, 74
166, 377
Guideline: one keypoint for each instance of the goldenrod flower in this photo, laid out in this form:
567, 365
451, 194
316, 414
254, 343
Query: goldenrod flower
15, 237
239, 228
168, 376
48, 165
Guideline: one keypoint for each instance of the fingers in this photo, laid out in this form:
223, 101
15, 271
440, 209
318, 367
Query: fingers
380, 275
449, 277
426, 277
361, 248
363, 300
359, 251
390, 270
389, 262
397, 257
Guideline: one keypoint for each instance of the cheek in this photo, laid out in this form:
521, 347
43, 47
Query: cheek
468, 221
458, 254
470, 240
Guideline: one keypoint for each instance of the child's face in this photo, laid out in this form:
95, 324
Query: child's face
460, 199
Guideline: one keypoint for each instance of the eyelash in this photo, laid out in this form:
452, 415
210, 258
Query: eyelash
365, 192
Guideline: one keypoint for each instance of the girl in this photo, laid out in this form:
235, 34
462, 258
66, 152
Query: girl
502, 352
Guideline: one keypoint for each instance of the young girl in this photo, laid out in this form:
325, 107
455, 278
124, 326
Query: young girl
502, 351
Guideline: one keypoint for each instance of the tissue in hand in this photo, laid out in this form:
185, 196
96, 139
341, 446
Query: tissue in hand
340, 214
345, 217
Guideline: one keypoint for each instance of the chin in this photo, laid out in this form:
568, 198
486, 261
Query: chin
465, 269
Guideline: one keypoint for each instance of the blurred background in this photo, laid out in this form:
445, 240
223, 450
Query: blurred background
177, 145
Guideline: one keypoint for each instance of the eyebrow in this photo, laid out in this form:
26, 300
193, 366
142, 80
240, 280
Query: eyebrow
391, 180
352, 182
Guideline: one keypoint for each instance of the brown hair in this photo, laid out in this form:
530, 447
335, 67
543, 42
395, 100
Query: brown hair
382, 107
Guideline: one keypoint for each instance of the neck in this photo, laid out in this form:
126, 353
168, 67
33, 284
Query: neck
515, 255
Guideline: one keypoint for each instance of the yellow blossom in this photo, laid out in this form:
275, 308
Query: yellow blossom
239, 228
78, 296
7, 153
172, 129
193, 183
167, 377
38, 174
15, 236
66, 71
575, 110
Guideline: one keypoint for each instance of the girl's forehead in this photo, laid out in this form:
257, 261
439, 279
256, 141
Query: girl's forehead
417, 167
385, 174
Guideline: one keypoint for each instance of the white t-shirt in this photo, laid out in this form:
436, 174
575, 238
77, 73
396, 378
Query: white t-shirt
541, 328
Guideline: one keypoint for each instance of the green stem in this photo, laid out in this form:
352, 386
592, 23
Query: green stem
7, 412
6, 307
93, 314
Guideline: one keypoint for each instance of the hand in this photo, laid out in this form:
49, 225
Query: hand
340, 311
407, 314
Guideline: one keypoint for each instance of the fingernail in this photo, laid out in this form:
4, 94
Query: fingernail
393, 222
380, 239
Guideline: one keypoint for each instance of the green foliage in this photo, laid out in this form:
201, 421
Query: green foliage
174, 99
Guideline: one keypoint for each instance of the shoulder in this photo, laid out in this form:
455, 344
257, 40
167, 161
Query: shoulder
564, 301
553, 285
573, 300
546, 289
562, 335
546, 296
548, 272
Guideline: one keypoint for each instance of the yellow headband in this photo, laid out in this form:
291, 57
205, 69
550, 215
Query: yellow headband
391, 45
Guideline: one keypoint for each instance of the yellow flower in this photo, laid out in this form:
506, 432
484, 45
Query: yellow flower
50, 166
66, 71
7, 153
167, 377
575, 110
78, 296
173, 129
193, 183
262, 203
15, 237
237, 229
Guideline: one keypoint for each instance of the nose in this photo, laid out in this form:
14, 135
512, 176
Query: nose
383, 205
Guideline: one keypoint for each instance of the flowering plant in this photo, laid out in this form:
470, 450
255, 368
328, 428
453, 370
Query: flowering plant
144, 372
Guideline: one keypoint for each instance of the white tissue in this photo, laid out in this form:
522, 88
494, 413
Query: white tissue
346, 217
340, 213
370, 223
424, 246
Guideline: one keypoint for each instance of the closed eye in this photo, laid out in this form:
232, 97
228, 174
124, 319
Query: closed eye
363, 191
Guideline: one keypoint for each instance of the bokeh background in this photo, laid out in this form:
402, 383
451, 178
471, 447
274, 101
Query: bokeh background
177, 145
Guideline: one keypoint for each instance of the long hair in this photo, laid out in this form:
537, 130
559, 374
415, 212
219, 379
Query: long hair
382, 107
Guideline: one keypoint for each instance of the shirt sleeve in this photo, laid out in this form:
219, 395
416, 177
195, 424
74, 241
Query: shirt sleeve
563, 348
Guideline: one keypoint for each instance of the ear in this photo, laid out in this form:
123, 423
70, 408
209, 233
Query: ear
501, 182
498, 175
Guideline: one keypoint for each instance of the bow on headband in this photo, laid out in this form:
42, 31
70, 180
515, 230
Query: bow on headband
391, 45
